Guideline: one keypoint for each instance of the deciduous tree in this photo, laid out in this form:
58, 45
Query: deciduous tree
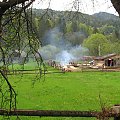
97, 44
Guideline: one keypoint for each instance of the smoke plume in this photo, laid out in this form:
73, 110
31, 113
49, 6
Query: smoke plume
58, 49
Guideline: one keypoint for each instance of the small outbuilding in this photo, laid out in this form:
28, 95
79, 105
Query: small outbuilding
107, 61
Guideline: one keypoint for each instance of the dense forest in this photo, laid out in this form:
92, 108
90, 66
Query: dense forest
99, 33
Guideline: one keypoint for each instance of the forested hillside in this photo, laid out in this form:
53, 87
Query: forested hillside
99, 33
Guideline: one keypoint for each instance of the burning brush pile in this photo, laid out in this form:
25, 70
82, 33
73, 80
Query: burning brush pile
70, 67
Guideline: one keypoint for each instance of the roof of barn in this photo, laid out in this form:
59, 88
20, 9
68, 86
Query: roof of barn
105, 56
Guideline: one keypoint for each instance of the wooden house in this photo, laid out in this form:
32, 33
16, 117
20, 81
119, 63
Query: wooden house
107, 61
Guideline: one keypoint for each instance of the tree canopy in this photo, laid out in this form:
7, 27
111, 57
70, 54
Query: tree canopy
97, 44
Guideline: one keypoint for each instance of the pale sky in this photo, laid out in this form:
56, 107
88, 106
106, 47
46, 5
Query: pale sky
85, 6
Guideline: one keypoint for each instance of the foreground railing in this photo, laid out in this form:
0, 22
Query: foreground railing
54, 113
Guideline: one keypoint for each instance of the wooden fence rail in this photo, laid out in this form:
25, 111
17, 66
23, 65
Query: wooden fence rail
49, 113
55, 113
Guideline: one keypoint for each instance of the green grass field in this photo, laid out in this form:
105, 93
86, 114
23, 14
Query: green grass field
69, 91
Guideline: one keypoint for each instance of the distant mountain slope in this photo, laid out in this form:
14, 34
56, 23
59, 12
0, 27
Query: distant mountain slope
95, 20
105, 16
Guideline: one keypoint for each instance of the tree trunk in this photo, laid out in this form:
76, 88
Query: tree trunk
116, 4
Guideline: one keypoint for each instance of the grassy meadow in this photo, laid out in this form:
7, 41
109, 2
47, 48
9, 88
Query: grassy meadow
69, 91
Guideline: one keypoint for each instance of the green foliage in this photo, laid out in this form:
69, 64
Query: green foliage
107, 29
95, 30
75, 38
62, 25
116, 47
36, 23
75, 26
42, 26
87, 30
97, 44
49, 24
69, 27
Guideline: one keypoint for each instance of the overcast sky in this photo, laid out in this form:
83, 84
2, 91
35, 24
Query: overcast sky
85, 6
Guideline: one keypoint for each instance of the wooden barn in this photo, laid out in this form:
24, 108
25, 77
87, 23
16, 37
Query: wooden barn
107, 61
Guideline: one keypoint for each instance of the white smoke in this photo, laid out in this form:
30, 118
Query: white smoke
78, 52
59, 49
48, 52
64, 57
